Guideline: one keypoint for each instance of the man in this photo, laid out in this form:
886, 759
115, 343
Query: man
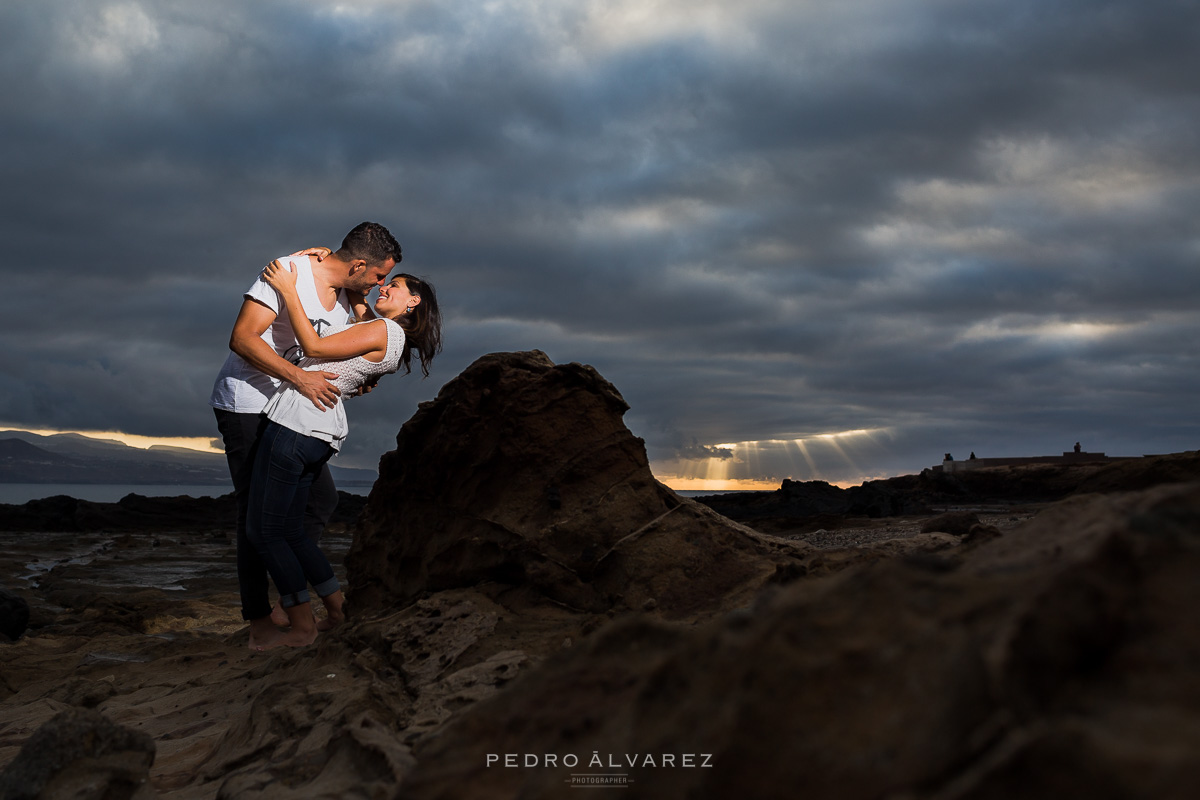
264, 353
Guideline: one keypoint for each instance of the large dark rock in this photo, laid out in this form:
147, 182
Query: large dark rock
882, 499
1055, 661
521, 472
81, 754
14, 615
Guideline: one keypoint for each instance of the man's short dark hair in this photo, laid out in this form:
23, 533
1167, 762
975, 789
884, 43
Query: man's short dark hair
371, 242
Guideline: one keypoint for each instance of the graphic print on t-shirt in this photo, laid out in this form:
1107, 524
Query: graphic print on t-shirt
243, 388
296, 352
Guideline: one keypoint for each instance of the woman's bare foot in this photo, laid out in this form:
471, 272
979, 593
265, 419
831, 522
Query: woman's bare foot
279, 615
334, 615
265, 636
304, 627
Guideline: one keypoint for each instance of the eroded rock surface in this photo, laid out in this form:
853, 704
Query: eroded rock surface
521, 472
81, 754
1053, 660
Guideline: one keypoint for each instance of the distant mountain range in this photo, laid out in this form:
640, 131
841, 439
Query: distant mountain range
73, 458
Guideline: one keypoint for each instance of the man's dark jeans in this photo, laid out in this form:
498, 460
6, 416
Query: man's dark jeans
240, 433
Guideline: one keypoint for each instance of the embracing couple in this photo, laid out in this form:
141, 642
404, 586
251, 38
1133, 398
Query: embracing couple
304, 339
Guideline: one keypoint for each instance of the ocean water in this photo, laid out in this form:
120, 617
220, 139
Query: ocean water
18, 493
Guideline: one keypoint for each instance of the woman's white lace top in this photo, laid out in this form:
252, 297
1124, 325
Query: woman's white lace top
293, 410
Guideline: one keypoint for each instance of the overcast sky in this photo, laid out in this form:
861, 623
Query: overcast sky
824, 240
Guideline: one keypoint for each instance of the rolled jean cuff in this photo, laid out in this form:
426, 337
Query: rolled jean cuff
326, 588
289, 600
256, 611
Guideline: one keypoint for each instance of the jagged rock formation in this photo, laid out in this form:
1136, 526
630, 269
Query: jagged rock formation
81, 754
1055, 661
521, 472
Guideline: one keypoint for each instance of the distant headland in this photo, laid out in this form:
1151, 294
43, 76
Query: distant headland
1075, 456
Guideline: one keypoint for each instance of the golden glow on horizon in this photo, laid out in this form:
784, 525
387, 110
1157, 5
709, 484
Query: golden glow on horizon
755, 465
199, 443
707, 485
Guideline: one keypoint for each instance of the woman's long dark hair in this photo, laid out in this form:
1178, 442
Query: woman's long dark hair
422, 325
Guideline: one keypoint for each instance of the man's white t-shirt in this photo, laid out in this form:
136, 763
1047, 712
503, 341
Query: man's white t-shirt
244, 389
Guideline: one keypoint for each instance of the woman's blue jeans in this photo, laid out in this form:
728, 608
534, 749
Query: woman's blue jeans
284, 467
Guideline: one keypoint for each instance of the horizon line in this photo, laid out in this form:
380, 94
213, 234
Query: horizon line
202, 444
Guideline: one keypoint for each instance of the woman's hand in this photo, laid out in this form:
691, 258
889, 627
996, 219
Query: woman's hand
321, 253
281, 278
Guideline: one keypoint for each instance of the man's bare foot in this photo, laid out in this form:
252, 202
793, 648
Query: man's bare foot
334, 615
263, 634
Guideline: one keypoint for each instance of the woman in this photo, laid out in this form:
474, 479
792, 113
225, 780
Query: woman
300, 437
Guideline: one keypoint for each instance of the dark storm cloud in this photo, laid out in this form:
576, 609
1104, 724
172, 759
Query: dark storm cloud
942, 225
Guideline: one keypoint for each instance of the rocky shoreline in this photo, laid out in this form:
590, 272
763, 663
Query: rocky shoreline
138, 513
520, 586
